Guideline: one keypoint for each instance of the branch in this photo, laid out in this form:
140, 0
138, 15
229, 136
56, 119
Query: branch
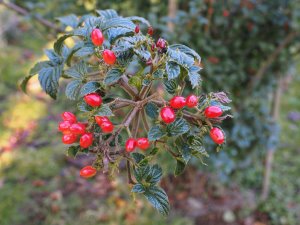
263, 68
123, 81
24, 12
144, 118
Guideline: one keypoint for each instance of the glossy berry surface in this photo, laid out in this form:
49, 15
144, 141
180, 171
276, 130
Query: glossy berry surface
64, 126
86, 140
101, 119
69, 138
68, 116
77, 128
177, 102
88, 172
150, 31
97, 37
93, 99
213, 112
143, 143
191, 101
137, 29
107, 127
130, 145
109, 57
167, 114
217, 135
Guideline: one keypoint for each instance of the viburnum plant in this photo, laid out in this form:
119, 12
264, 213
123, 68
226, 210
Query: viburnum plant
117, 70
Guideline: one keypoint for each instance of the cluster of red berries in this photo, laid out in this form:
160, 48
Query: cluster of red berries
72, 129
141, 143
97, 38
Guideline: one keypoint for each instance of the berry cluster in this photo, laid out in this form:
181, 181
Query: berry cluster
141, 143
167, 114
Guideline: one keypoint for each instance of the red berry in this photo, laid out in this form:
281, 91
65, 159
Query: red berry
143, 143
191, 101
213, 112
217, 135
225, 13
68, 116
107, 127
152, 47
177, 102
64, 126
86, 140
88, 172
97, 37
150, 31
77, 128
101, 119
130, 145
137, 29
167, 114
93, 99
109, 57
161, 43
69, 138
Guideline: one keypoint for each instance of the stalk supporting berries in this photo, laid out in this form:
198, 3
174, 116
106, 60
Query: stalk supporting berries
213, 112
143, 143
191, 101
69, 138
93, 99
217, 135
88, 171
97, 37
86, 140
109, 57
130, 145
177, 102
68, 116
167, 114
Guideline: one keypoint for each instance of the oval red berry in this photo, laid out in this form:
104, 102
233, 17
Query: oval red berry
213, 112
191, 101
167, 114
177, 102
64, 126
86, 140
69, 138
68, 116
107, 127
93, 99
101, 119
77, 128
130, 145
143, 143
217, 135
97, 37
88, 172
109, 57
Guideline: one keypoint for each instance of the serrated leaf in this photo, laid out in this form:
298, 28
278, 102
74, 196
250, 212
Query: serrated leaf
69, 20
53, 56
186, 152
139, 19
83, 107
178, 127
114, 33
151, 110
186, 50
223, 107
138, 188
158, 199
170, 86
107, 14
154, 175
143, 53
104, 110
84, 51
78, 71
180, 58
112, 76
138, 157
194, 79
118, 22
141, 172
89, 87
58, 45
172, 69
180, 166
73, 150
72, 89
155, 133
48, 78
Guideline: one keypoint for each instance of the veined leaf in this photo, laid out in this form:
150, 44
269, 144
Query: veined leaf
155, 133
178, 127
69, 20
104, 110
112, 76
89, 87
72, 89
172, 69
186, 50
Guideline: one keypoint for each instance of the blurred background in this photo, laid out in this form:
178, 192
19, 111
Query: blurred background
249, 48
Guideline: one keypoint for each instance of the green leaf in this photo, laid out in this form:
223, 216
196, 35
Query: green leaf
114, 33
194, 79
155, 133
158, 74
180, 58
170, 86
89, 87
172, 69
107, 14
158, 199
48, 78
83, 107
73, 150
135, 81
223, 107
138, 188
186, 50
118, 22
139, 19
151, 110
84, 51
197, 146
112, 76
185, 151
138, 157
53, 56
178, 127
104, 110
78, 71
180, 166
72, 89
58, 45
69, 20
141, 172
142, 52
154, 175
